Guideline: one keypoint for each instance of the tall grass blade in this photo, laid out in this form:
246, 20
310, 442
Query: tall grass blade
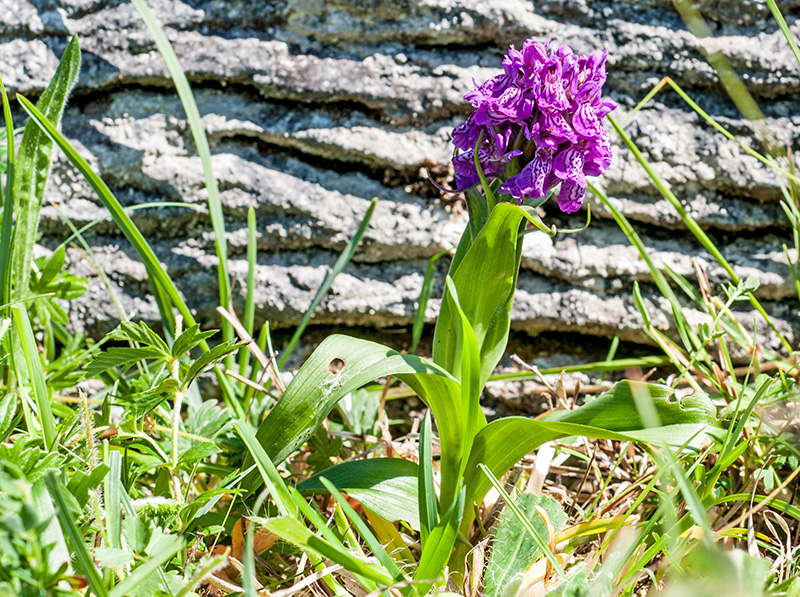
340, 264
6, 229
422, 301
776, 13
31, 353
688, 337
694, 227
33, 164
250, 297
272, 478
293, 531
730, 80
201, 144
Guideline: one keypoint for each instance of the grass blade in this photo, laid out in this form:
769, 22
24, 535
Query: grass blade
377, 549
422, 301
31, 352
74, 535
693, 227
270, 475
776, 13
6, 230
201, 144
250, 297
340, 264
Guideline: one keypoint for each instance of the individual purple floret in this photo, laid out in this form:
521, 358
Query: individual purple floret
539, 124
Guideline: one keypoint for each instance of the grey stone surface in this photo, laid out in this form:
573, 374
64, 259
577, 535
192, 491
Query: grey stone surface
314, 107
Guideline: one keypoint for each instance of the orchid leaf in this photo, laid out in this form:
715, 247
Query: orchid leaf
339, 365
485, 280
387, 486
613, 415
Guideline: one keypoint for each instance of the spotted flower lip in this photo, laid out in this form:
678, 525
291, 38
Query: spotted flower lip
537, 125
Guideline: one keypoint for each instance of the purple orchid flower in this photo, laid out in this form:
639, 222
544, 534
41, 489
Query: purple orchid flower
546, 110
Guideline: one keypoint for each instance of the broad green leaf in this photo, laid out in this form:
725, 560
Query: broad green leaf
514, 550
467, 369
485, 280
387, 486
613, 415
112, 493
33, 164
52, 534
339, 365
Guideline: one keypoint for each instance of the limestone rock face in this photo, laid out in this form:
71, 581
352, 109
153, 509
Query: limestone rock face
315, 107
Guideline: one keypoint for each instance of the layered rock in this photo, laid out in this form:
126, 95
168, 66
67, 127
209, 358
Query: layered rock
313, 108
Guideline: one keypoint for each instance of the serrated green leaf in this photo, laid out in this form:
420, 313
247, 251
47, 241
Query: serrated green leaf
209, 359
120, 356
129, 331
112, 557
198, 452
189, 339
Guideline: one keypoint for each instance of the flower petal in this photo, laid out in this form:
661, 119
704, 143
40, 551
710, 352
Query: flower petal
570, 197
